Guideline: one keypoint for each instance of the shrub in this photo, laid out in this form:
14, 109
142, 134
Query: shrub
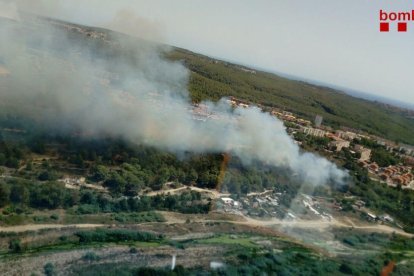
15, 246
85, 209
108, 235
90, 257
346, 269
54, 216
49, 269
48, 175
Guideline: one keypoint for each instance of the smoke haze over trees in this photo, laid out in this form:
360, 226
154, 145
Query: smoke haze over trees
103, 84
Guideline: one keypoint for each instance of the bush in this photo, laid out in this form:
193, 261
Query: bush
106, 235
85, 209
4, 194
346, 269
47, 195
63, 238
54, 216
48, 176
90, 257
49, 269
15, 246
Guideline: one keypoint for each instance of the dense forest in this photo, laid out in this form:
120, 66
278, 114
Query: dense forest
126, 170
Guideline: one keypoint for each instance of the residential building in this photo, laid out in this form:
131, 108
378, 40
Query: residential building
407, 149
314, 131
347, 135
373, 167
339, 144
365, 153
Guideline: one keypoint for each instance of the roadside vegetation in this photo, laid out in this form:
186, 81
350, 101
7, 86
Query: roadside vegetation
255, 262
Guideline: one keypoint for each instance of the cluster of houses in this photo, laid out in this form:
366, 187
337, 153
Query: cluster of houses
258, 204
340, 139
234, 102
400, 175
202, 112
288, 116
266, 204
263, 199
397, 175
230, 205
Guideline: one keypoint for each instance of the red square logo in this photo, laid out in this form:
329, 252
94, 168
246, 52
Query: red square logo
402, 26
385, 27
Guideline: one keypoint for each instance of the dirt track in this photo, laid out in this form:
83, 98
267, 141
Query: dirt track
304, 224
323, 224
176, 218
214, 193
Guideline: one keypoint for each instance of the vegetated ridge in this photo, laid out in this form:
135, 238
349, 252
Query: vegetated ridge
213, 79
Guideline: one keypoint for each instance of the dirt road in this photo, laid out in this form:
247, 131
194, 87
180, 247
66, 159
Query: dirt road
177, 218
298, 223
214, 193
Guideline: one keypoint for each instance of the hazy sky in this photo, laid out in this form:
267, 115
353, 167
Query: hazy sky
332, 41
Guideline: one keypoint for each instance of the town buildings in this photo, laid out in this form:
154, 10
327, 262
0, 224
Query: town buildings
314, 131
364, 152
339, 144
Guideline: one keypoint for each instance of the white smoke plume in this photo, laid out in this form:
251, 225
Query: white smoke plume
96, 83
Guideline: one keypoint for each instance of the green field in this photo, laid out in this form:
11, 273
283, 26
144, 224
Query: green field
230, 240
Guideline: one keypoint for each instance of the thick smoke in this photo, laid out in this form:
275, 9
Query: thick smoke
122, 87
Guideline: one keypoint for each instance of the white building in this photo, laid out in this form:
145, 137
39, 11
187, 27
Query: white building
314, 131
339, 144
365, 153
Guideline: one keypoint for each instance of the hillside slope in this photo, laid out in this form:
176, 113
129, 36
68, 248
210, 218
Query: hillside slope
213, 79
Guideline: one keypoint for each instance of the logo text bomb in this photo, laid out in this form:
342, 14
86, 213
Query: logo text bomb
401, 19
